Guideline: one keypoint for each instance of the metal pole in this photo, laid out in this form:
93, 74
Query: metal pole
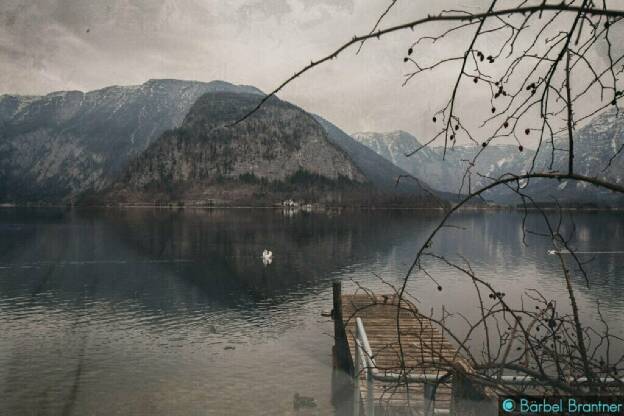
367, 357
356, 375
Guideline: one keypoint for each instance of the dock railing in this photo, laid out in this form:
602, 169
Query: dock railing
365, 361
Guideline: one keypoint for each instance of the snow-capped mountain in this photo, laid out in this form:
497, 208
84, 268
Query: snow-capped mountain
596, 154
64, 143
57, 147
445, 172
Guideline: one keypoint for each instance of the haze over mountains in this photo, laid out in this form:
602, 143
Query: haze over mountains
165, 141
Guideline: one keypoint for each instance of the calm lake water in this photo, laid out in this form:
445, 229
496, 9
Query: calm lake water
171, 312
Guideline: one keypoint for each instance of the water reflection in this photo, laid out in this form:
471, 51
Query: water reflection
131, 311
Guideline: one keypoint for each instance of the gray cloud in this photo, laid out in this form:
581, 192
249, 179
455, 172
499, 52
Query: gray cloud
89, 44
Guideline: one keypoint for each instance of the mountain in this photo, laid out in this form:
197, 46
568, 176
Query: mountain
597, 153
445, 172
381, 172
207, 159
595, 145
426, 163
279, 152
56, 146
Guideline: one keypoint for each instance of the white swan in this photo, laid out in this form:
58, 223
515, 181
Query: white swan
553, 252
267, 257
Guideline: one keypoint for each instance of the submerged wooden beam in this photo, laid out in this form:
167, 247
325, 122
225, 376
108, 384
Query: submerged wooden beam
342, 358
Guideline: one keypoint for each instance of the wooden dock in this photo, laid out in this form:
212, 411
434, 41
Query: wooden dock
421, 350
406, 366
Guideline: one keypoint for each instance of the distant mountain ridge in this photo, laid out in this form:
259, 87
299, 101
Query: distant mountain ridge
63, 143
597, 153
393, 146
57, 147
595, 144
378, 170
444, 172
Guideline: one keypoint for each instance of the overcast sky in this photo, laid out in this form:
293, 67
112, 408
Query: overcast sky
88, 44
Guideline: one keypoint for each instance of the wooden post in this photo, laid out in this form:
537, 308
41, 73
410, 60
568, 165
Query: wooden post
343, 355
337, 311
459, 394
429, 397
470, 399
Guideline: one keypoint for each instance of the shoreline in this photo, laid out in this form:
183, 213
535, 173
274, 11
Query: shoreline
314, 209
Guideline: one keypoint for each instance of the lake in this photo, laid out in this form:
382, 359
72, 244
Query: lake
172, 312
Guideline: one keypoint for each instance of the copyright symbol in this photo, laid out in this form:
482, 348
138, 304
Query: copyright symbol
508, 405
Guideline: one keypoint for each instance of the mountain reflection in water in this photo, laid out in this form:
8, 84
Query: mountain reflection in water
172, 312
